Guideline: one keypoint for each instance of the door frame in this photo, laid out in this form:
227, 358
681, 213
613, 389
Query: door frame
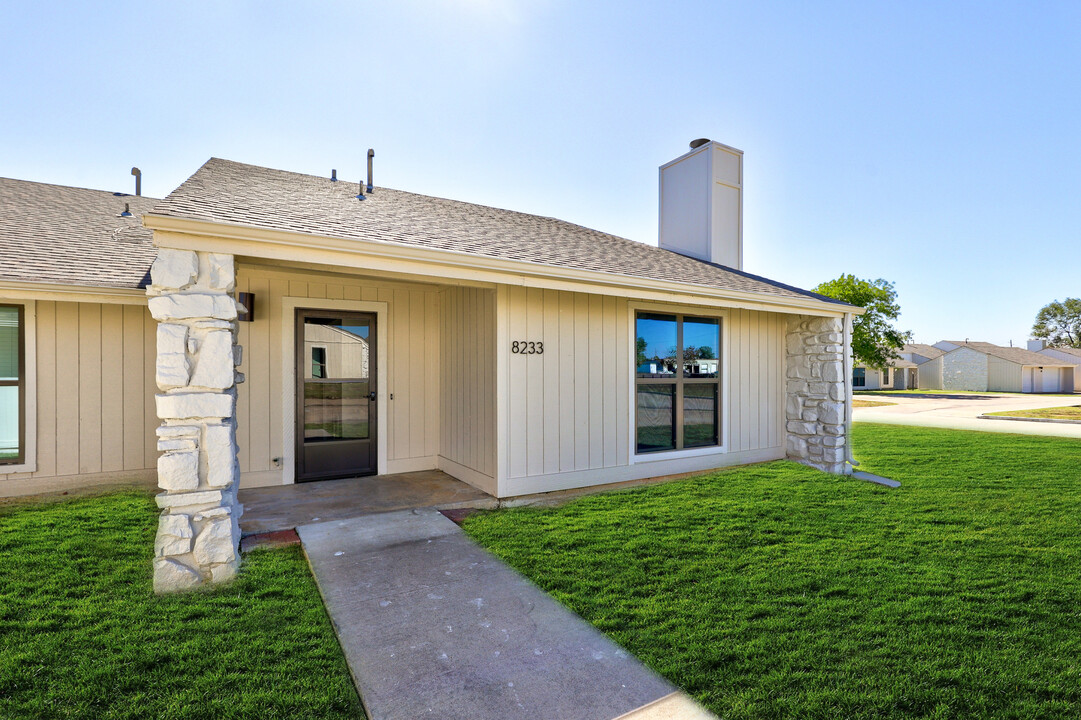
374, 410
290, 305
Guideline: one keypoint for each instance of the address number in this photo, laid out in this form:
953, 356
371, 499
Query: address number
527, 347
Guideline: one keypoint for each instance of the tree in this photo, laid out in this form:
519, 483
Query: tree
1059, 323
875, 341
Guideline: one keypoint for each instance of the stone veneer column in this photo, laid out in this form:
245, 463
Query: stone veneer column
815, 398
198, 531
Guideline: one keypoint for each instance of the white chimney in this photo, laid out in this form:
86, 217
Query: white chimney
1036, 345
702, 204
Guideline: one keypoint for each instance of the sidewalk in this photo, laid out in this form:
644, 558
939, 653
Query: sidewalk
433, 625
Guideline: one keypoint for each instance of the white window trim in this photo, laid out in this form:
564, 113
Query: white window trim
289, 376
30, 367
698, 311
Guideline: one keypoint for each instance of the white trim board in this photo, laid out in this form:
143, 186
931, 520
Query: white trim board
722, 314
30, 367
290, 305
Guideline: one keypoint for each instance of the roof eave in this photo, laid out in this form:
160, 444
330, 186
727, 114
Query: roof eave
438, 256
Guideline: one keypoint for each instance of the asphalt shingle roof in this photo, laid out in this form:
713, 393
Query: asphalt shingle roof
1012, 354
928, 351
1076, 352
230, 192
72, 236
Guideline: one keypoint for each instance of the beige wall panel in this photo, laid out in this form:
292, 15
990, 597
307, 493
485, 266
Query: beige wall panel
112, 387
243, 390
150, 390
467, 397
134, 402
412, 374
930, 376
95, 408
573, 405
1002, 375
258, 381
47, 401
89, 371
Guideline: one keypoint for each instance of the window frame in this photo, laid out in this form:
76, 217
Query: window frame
27, 384
681, 313
862, 377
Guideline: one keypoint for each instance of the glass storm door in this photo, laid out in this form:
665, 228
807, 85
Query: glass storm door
335, 356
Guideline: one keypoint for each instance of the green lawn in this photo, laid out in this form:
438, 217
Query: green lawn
775, 591
1069, 412
84, 637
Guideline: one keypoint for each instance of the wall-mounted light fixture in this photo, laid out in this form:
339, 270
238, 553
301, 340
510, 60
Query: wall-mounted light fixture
246, 301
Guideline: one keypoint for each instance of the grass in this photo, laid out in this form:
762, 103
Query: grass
84, 636
775, 591
869, 403
1070, 412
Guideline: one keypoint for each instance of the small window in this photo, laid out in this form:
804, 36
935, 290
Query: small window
859, 377
12, 386
886, 377
678, 379
319, 362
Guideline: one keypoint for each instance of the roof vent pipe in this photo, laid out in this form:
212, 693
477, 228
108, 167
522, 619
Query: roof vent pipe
127, 211
371, 154
334, 176
138, 180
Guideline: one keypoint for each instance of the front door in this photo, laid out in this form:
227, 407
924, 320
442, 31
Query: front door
336, 414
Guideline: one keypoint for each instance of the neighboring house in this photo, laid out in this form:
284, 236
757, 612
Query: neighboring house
985, 367
902, 374
1065, 354
499, 347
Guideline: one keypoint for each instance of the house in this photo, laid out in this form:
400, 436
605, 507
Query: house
295, 328
902, 373
985, 367
1065, 354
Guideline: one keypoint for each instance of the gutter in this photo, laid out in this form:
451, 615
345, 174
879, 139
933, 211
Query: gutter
849, 460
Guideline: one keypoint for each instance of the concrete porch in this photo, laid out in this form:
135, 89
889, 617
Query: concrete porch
284, 507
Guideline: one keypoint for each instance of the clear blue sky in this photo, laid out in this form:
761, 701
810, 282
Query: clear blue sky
936, 145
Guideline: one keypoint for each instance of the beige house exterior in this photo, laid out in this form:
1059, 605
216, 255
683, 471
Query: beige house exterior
393, 332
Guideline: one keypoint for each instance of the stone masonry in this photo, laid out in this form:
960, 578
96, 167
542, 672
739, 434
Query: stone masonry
198, 531
815, 397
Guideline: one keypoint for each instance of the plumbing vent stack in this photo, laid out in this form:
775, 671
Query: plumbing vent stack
371, 154
138, 180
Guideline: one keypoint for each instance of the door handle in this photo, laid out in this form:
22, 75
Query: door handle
371, 396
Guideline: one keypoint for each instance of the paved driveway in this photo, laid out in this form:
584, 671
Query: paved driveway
960, 412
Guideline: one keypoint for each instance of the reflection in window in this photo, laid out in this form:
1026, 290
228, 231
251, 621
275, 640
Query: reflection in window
678, 378
319, 362
656, 417
12, 420
859, 377
656, 345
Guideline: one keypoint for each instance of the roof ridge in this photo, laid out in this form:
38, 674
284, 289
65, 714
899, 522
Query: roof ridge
114, 193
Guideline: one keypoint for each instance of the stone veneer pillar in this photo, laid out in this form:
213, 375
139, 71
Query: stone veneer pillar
815, 398
198, 531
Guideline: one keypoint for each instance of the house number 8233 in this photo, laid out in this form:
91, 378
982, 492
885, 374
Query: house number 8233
527, 347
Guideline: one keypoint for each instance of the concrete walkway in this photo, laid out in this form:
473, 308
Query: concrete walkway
284, 507
961, 412
433, 625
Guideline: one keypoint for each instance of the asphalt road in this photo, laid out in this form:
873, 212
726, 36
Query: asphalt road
960, 412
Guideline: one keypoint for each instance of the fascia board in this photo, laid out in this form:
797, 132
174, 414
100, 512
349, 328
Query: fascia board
477, 267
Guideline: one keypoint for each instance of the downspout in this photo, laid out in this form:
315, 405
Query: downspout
851, 461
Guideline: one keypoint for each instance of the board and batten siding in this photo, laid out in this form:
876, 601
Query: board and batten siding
569, 411
1003, 375
96, 418
411, 419
468, 380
